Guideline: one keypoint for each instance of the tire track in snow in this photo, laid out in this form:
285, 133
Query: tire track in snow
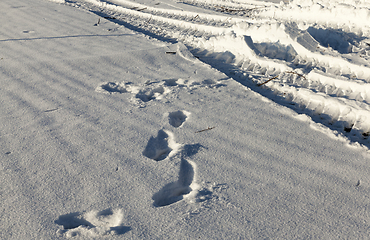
195, 34
328, 83
351, 15
240, 7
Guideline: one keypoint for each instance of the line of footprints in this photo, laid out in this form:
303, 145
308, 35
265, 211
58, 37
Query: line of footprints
163, 146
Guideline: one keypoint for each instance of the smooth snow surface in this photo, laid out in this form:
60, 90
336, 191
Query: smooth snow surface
194, 119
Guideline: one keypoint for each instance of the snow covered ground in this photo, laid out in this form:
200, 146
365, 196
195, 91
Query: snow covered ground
194, 119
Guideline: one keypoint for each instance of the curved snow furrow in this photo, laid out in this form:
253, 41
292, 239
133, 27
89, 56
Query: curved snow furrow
213, 40
339, 66
331, 3
159, 19
176, 14
231, 3
340, 87
307, 75
231, 7
341, 103
303, 46
172, 27
240, 51
280, 32
343, 114
331, 85
349, 17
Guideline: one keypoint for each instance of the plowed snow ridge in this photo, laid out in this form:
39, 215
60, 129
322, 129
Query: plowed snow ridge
316, 52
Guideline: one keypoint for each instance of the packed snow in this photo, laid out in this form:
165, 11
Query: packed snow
193, 119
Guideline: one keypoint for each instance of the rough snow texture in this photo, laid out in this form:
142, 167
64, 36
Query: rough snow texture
319, 62
195, 119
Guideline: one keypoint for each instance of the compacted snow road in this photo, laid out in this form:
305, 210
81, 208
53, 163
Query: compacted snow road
184, 119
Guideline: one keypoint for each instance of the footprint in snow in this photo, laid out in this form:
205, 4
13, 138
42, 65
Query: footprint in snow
173, 82
184, 187
28, 31
153, 90
148, 94
191, 84
162, 146
92, 224
177, 118
111, 87
180, 82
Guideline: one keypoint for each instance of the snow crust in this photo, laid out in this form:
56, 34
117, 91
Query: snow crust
192, 119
